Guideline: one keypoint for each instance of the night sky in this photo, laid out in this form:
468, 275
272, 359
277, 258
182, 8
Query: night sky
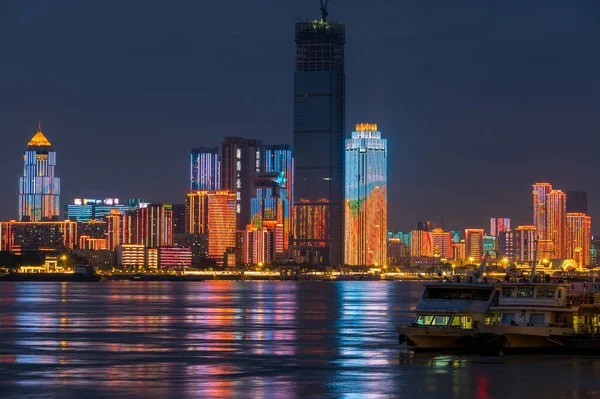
478, 99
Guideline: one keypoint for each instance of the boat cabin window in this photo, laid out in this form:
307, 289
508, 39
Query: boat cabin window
537, 319
424, 320
507, 318
430, 320
545, 293
559, 292
456, 321
524, 292
508, 292
441, 320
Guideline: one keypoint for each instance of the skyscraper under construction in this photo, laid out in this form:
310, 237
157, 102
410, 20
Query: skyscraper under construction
319, 126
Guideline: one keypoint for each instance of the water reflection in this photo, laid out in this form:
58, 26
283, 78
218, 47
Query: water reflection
240, 339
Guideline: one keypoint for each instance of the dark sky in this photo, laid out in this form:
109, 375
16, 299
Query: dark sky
478, 99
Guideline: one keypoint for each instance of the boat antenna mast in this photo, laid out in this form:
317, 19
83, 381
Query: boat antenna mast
534, 263
324, 10
481, 270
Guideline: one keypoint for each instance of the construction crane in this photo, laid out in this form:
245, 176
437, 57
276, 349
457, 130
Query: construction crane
324, 9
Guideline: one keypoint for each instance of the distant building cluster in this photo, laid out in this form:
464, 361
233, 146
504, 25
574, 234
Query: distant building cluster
251, 204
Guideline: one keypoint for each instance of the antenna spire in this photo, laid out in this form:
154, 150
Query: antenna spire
39, 125
324, 10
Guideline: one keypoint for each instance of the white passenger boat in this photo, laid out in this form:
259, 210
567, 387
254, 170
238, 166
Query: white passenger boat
449, 314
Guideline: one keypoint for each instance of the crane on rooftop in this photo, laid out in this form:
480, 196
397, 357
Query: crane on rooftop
324, 9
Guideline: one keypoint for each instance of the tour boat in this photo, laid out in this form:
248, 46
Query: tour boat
449, 314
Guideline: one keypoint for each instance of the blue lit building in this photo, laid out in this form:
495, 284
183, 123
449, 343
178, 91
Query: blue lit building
84, 210
39, 189
270, 200
205, 169
366, 197
278, 159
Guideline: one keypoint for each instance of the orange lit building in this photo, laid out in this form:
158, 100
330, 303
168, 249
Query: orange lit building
92, 244
540, 191
311, 232
474, 243
442, 243
545, 249
556, 212
421, 244
196, 212
33, 236
131, 255
579, 237
153, 225
221, 224
459, 250
115, 229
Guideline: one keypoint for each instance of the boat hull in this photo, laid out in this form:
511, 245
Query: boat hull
430, 338
530, 337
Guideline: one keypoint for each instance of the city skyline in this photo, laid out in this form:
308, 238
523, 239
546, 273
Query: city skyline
151, 134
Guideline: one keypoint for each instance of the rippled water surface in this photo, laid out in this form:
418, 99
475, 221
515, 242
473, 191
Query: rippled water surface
247, 339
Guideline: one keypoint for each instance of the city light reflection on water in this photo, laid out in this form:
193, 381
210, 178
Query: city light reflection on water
240, 339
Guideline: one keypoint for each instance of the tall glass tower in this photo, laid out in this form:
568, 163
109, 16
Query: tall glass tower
205, 169
319, 126
366, 197
39, 190
278, 158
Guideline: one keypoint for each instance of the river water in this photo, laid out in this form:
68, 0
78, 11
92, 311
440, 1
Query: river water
246, 340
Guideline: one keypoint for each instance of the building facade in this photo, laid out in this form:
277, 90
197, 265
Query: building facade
421, 244
86, 209
540, 191
578, 237
205, 169
365, 205
39, 188
319, 130
19, 237
442, 243
556, 212
474, 243
498, 225
221, 217
279, 159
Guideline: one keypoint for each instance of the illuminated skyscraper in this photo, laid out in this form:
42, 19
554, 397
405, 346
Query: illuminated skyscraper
474, 243
205, 169
151, 226
525, 237
196, 212
319, 131
269, 202
278, 158
240, 162
540, 191
506, 245
221, 224
556, 211
366, 197
421, 243
579, 238
86, 209
442, 243
498, 225
115, 229
39, 189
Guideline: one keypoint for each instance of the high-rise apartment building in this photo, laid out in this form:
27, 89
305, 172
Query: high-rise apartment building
240, 163
442, 243
151, 226
577, 202
366, 197
474, 243
578, 237
221, 216
556, 212
506, 244
498, 225
205, 169
540, 191
525, 237
20, 237
278, 158
39, 189
421, 243
319, 130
